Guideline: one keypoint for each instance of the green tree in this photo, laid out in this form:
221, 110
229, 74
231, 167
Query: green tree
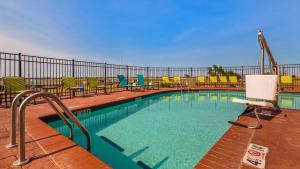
215, 70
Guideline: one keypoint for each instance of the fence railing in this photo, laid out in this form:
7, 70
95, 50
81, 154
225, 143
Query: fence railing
43, 71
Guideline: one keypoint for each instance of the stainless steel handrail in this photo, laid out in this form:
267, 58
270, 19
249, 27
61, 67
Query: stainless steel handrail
50, 98
62, 116
14, 106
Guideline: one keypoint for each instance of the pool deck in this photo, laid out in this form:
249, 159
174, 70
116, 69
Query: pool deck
50, 149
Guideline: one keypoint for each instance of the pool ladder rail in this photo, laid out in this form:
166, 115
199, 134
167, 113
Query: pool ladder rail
51, 99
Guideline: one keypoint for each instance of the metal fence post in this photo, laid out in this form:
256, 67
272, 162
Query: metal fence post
168, 71
20, 64
105, 89
147, 69
242, 75
191, 71
127, 74
73, 68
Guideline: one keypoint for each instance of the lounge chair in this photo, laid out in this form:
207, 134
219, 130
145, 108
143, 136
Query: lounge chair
141, 82
123, 83
286, 81
213, 80
12, 86
233, 80
223, 80
166, 81
261, 92
200, 80
70, 85
178, 82
93, 83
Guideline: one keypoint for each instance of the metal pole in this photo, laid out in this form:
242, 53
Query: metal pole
278, 86
242, 76
20, 64
13, 129
105, 90
127, 74
262, 61
73, 68
148, 79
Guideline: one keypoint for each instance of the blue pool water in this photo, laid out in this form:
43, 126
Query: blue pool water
168, 130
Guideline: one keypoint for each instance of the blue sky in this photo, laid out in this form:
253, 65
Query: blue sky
153, 32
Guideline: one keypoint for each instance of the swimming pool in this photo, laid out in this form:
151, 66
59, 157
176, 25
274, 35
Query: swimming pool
167, 130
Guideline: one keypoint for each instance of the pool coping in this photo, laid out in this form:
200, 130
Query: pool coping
51, 142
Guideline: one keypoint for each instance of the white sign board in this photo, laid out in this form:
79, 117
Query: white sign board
256, 156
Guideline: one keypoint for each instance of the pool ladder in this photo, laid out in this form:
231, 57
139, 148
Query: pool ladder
51, 99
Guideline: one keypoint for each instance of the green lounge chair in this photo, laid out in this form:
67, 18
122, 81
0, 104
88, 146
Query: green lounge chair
141, 82
12, 86
69, 84
94, 84
123, 83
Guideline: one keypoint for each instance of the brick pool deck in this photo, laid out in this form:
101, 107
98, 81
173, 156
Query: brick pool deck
50, 149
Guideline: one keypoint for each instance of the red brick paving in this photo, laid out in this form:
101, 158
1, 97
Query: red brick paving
50, 149
281, 135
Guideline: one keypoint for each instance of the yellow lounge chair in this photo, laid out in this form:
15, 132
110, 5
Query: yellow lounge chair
223, 80
213, 80
13, 85
94, 84
178, 82
286, 81
166, 81
200, 80
70, 84
233, 80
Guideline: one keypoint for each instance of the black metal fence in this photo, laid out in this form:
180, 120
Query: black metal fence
42, 71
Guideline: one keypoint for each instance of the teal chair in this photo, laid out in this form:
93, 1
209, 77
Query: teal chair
141, 82
123, 83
